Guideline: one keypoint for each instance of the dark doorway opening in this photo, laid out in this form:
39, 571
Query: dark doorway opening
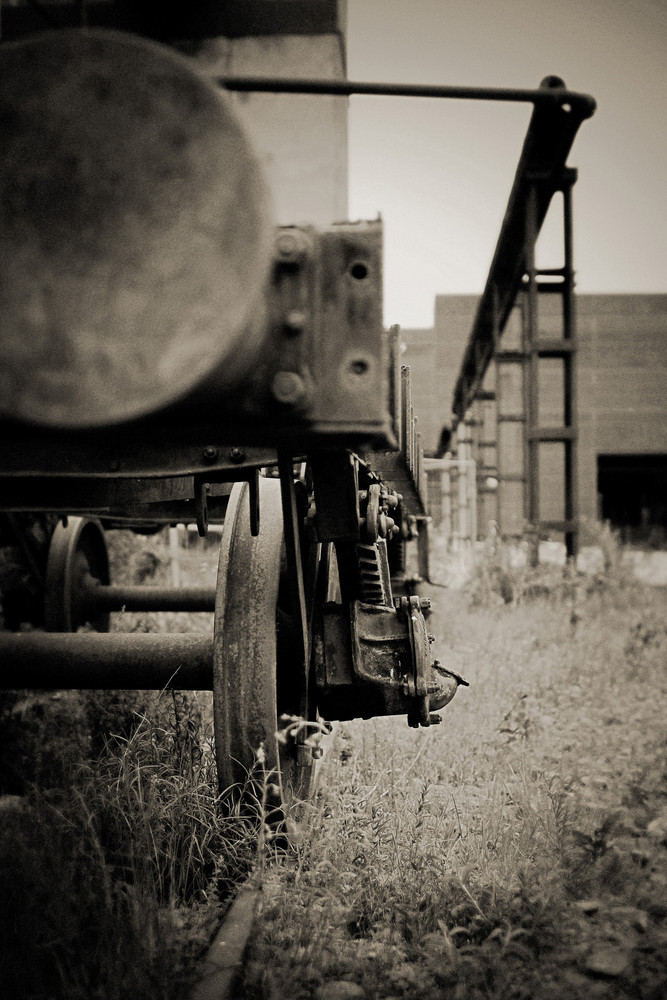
633, 497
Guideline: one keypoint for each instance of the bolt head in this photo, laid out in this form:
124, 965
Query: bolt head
291, 245
288, 387
295, 322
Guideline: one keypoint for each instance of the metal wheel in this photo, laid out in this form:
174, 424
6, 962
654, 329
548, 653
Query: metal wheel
254, 680
78, 549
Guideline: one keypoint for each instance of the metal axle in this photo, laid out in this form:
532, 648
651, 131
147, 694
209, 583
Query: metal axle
99, 598
106, 661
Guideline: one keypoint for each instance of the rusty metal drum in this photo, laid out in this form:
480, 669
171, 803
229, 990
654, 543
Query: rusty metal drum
135, 232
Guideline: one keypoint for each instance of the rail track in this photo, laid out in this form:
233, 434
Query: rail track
222, 964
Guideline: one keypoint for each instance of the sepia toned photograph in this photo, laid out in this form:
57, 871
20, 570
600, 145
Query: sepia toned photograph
333, 500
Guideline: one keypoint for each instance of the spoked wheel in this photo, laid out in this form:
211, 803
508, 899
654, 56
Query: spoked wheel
255, 677
78, 551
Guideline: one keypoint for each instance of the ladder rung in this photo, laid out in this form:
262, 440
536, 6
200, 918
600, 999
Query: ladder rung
555, 348
564, 526
511, 356
552, 434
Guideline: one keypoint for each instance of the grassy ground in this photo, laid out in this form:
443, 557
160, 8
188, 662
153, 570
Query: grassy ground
519, 850
115, 857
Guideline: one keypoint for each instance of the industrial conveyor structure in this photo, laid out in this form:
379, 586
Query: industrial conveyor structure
535, 450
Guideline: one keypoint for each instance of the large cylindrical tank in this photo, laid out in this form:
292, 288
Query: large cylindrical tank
135, 232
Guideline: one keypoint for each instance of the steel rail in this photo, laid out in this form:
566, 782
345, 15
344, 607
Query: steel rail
222, 965
551, 92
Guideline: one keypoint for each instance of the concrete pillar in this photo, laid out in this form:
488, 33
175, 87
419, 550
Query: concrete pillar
301, 139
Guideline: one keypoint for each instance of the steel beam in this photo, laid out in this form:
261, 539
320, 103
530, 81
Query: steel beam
540, 172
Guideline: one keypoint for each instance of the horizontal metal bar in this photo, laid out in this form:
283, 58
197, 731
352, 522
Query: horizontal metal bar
559, 95
117, 598
565, 526
555, 348
106, 661
553, 434
510, 357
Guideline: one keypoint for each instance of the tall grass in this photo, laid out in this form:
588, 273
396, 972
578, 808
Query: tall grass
117, 854
113, 876
508, 852
487, 857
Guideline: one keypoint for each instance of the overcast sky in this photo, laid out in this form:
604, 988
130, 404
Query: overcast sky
440, 172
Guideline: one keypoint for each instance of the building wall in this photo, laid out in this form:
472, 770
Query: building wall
417, 351
622, 383
434, 357
621, 390
301, 139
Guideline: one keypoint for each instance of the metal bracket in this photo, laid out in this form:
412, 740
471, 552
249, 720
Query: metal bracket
295, 576
202, 490
378, 662
253, 500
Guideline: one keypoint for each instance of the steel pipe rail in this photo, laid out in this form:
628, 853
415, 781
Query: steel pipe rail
582, 104
106, 661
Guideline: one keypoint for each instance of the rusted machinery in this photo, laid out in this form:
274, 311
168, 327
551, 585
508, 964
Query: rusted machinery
166, 356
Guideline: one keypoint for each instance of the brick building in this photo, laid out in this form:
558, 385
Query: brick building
621, 420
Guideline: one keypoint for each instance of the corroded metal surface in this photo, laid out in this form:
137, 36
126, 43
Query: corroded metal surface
135, 235
78, 551
244, 682
96, 661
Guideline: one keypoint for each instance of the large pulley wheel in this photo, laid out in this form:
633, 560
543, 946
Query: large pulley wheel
255, 680
78, 551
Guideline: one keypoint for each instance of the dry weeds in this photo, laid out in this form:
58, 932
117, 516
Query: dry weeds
519, 850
